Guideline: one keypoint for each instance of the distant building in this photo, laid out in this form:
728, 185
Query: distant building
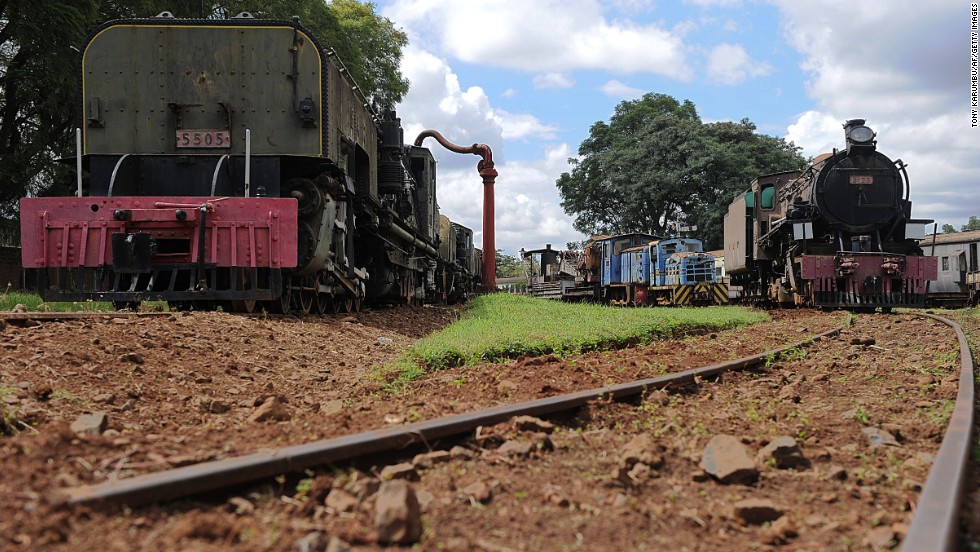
513, 284
957, 258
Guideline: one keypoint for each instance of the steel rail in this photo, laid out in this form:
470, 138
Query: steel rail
934, 525
209, 476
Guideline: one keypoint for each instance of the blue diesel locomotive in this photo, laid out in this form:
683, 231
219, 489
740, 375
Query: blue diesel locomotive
639, 269
629, 269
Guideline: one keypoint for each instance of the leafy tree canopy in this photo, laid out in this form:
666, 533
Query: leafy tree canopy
37, 67
972, 224
508, 266
655, 163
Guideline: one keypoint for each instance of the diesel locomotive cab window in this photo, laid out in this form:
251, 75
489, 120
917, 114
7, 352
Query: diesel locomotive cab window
620, 245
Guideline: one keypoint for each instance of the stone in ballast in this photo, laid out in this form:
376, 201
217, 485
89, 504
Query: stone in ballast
397, 515
90, 424
726, 459
784, 452
642, 449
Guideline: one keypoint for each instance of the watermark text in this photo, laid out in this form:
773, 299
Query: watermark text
973, 64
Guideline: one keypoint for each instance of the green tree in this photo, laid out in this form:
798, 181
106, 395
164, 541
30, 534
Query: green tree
369, 45
37, 79
656, 163
972, 224
949, 229
508, 266
627, 166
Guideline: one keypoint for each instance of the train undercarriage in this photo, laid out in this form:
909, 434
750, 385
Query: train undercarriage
846, 280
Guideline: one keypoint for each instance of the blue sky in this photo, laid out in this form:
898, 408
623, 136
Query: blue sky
529, 77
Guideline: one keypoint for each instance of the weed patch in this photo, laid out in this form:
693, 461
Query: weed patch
498, 327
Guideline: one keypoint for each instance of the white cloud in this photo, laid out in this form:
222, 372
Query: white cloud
902, 68
715, 3
633, 6
552, 81
534, 216
527, 203
522, 126
578, 36
509, 93
730, 64
618, 90
437, 101
816, 133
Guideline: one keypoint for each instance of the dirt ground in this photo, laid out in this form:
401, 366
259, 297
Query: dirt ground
191, 387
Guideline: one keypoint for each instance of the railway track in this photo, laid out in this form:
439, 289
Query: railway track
933, 527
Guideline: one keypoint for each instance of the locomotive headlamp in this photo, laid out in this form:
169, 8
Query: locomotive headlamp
860, 139
861, 134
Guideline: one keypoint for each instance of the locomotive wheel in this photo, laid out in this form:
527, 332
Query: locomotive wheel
283, 303
324, 301
306, 243
343, 304
309, 198
307, 295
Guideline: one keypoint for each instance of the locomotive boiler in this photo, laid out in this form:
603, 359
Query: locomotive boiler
231, 162
839, 234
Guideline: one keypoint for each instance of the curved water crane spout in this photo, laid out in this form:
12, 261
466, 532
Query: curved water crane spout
489, 175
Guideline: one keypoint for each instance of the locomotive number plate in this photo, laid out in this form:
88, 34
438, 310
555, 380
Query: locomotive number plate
204, 139
862, 180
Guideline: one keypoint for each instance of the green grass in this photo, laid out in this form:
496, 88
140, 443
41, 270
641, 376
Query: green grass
501, 326
33, 303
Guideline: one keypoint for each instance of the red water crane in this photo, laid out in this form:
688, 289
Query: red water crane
489, 175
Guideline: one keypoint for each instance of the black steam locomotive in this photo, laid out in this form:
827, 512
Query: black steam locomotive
839, 234
229, 162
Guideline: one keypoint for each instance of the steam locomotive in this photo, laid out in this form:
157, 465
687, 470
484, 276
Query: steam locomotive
629, 269
231, 162
838, 235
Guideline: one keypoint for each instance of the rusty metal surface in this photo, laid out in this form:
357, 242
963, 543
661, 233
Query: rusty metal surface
208, 476
937, 513
77, 231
